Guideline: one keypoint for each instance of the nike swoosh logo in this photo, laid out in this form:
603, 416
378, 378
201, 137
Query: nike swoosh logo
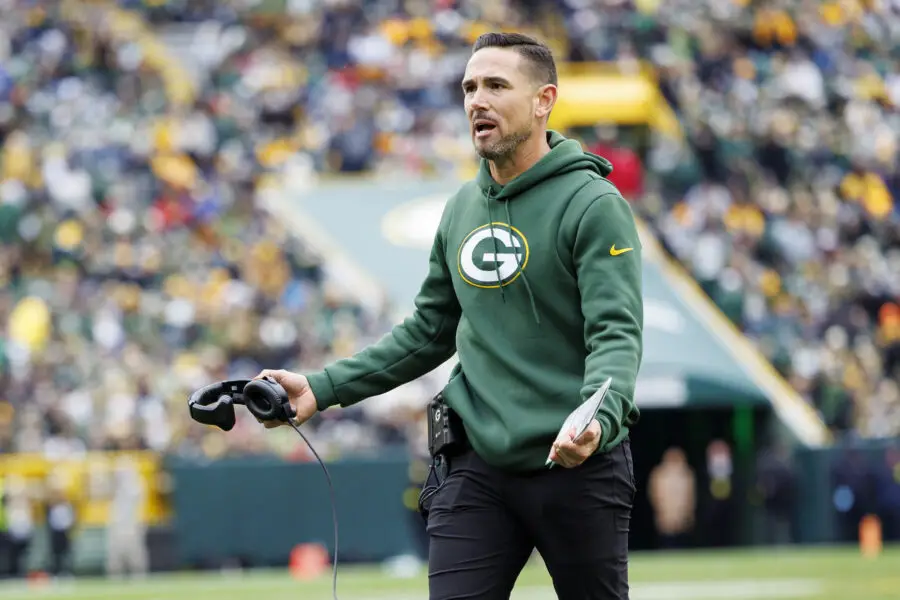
614, 252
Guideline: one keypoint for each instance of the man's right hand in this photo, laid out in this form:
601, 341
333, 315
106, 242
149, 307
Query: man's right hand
299, 393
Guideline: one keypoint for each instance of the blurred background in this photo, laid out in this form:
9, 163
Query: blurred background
194, 190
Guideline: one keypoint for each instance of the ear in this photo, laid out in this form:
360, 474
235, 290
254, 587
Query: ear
545, 99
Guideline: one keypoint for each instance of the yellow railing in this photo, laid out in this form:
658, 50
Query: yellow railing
87, 482
591, 93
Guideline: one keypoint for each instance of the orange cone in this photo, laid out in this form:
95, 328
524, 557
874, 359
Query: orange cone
870, 541
38, 579
308, 561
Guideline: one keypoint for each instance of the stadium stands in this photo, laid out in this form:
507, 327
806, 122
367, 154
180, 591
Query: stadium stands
137, 260
791, 222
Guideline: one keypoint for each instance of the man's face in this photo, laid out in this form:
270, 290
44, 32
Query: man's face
500, 102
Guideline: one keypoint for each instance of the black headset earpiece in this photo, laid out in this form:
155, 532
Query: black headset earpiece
267, 400
214, 403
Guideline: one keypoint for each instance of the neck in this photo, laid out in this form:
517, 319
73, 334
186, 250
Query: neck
526, 155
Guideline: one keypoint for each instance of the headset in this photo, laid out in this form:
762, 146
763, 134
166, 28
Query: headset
267, 401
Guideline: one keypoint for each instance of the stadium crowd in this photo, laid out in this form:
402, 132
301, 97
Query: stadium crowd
139, 262
791, 226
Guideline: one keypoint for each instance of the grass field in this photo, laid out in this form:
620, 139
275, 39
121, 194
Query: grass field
807, 574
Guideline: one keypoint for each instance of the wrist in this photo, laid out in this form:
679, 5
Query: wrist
322, 389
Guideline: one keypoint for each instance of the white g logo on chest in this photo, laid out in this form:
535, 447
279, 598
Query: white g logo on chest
492, 256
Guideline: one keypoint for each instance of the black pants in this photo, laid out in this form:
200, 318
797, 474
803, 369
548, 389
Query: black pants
4, 555
18, 551
484, 523
59, 551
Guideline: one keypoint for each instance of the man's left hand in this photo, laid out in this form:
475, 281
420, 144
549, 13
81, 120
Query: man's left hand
571, 452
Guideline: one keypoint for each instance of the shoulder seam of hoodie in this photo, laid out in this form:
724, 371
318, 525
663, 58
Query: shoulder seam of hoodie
594, 178
570, 200
589, 204
597, 176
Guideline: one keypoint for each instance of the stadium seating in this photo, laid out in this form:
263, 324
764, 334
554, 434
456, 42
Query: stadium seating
137, 262
790, 222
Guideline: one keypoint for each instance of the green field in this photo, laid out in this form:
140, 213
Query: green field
810, 574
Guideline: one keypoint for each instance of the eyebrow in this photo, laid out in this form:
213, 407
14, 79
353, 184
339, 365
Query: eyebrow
489, 79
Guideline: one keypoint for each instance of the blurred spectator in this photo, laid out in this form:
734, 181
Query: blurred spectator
776, 482
60, 524
4, 530
887, 492
126, 547
628, 171
717, 501
672, 491
19, 526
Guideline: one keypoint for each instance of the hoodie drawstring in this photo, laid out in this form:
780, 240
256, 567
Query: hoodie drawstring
534, 310
496, 249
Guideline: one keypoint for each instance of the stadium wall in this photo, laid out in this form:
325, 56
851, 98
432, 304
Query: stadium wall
255, 510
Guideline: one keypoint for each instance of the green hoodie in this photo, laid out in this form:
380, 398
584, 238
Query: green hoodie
566, 314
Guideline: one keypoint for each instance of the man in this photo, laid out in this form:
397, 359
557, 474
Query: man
534, 282
19, 526
126, 532
776, 482
717, 503
4, 535
60, 515
672, 493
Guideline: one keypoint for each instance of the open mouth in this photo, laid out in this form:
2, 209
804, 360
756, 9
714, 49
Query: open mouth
484, 128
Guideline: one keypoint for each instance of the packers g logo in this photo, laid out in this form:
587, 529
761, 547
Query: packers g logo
484, 264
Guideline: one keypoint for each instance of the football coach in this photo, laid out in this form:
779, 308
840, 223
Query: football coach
534, 282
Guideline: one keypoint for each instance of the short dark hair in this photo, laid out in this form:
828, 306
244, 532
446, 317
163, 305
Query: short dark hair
538, 55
